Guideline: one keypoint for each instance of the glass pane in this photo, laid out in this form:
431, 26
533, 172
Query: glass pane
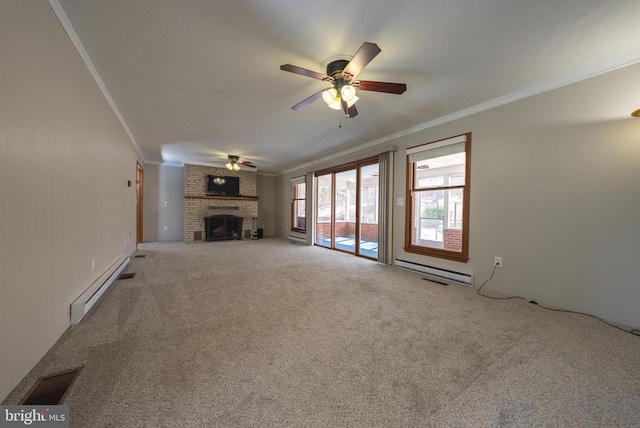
446, 170
323, 210
299, 191
345, 209
299, 214
369, 179
437, 219
454, 208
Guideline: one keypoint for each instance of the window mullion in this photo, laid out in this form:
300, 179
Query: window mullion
427, 189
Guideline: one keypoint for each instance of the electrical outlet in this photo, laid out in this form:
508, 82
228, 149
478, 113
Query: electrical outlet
93, 264
166, 227
497, 261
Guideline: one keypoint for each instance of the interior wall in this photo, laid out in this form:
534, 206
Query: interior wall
151, 202
266, 205
554, 191
170, 205
282, 198
64, 201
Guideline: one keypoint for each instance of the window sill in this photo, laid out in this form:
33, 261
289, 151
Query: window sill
441, 254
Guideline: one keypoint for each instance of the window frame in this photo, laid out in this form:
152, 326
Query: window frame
295, 198
463, 255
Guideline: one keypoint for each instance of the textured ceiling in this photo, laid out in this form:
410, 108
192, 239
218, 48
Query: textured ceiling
195, 80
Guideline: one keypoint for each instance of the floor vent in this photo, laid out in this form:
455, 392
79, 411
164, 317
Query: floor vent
51, 390
126, 275
448, 276
139, 256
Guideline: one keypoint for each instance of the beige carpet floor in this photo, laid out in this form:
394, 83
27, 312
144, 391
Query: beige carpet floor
270, 333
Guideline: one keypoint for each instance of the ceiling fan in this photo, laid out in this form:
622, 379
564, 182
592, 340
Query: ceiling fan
235, 162
341, 74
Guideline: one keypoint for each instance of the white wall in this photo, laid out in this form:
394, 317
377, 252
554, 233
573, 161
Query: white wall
555, 191
64, 165
282, 200
171, 203
265, 190
151, 202
163, 203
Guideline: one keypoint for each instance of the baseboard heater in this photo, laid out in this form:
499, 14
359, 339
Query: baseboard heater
83, 304
297, 239
436, 273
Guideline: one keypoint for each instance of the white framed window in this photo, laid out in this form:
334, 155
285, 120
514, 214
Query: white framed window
437, 215
298, 204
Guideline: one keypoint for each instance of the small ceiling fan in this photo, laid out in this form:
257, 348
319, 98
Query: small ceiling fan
235, 162
341, 74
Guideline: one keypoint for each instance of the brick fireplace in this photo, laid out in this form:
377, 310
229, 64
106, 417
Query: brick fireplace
198, 206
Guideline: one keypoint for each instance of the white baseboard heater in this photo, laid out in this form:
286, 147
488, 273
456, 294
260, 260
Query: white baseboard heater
83, 304
297, 239
436, 273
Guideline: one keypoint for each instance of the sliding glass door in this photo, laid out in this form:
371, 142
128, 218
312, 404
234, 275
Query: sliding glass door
345, 212
347, 208
324, 210
368, 219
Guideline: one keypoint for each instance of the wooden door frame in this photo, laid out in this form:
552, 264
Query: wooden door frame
139, 202
356, 166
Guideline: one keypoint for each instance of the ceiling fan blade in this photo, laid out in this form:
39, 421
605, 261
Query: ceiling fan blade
303, 71
365, 54
349, 111
352, 112
309, 100
387, 87
247, 163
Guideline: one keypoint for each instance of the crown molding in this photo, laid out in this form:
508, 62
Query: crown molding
75, 40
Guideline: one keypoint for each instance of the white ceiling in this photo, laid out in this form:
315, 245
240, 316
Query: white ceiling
195, 80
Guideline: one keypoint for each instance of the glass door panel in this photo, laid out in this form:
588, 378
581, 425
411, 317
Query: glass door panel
368, 221
324, 210
345, 210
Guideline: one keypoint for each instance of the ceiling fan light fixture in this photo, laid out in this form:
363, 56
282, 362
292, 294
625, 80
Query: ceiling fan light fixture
336, 105
352, 101
347, 92
232, 166
329, 96
341, 71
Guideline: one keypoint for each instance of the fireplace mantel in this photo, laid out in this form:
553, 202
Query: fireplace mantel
228, 198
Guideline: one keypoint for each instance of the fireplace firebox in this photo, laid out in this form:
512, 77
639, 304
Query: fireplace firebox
223, 227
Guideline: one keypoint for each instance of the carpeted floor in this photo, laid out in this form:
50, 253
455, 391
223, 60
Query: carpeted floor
269, 333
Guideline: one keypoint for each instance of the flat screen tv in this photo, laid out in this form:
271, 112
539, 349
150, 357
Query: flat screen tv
219, 185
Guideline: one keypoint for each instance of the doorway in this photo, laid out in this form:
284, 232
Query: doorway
139, 210
347, 201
